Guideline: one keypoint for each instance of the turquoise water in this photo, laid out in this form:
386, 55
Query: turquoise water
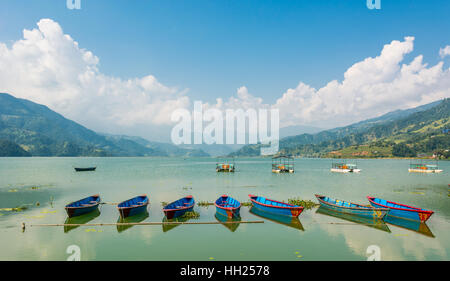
318, 235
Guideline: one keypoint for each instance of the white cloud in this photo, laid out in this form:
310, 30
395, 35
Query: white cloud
443, 52
370, 88
48, 67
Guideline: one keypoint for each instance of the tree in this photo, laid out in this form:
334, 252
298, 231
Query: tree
402, 150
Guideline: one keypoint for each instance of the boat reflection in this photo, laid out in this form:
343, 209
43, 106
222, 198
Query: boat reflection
285, 220
80, 220
167, 227
133, 219
231, 223
415, 226
370, 222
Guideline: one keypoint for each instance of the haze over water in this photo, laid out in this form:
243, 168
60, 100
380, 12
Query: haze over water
318, 236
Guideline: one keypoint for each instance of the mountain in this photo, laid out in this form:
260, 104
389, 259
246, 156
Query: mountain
43, 132
421, 129
8, 148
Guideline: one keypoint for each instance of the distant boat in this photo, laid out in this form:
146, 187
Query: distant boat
179, 208
85, 169
83, 206
400, 210
424, 168
352, 208
344, 168
276, 207
283, 164
133, 206
228, 206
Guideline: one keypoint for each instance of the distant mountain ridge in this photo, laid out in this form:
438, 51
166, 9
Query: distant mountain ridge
372, 130
43, 132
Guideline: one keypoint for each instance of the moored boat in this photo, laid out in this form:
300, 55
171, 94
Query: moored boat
344, 168
133, 206
424, 168
228, 206
400, 210
179, 208
85, 169
276, 207
83, 206
352, 208
283, 164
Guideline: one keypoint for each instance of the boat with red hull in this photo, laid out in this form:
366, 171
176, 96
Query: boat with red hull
400, 210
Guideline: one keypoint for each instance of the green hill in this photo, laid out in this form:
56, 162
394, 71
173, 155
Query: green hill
10, 149
420, 130
43, 132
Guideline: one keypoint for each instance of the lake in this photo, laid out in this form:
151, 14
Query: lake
43, 186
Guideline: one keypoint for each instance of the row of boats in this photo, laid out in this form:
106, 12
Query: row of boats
230, 207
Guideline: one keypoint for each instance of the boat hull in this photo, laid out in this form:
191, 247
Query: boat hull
133, 206
85, 169
179, 208
275, 207
401, 211
353, 209
346, 170
228, 206
424, 171
82, 206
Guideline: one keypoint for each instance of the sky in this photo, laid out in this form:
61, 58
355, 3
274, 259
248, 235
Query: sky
124, 66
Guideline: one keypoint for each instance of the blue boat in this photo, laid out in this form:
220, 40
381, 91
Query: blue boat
276, 207
352, 208
83, 206
179, 208
133, 206
228, 206
401, 211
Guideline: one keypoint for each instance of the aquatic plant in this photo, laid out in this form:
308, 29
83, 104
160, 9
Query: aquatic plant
307, 204
204, 203
191, 215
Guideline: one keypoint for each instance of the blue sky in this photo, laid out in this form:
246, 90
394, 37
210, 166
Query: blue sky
213, 47
128, 64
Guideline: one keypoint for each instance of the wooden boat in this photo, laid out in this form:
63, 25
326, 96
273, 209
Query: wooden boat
83, 206
400, 210
133, 206
275, 207
225, 167
228, 206
352, 208
85, 169
179, 208
344, 168
293, 222
370, 222
283, 164
424, 168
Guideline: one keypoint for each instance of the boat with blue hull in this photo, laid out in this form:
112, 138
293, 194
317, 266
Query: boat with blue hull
401, 211
133, 206
275, 207
85, 169
83, 206
228, 206
352, 208
179, 208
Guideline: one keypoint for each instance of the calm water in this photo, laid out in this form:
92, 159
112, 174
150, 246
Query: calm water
317, 236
